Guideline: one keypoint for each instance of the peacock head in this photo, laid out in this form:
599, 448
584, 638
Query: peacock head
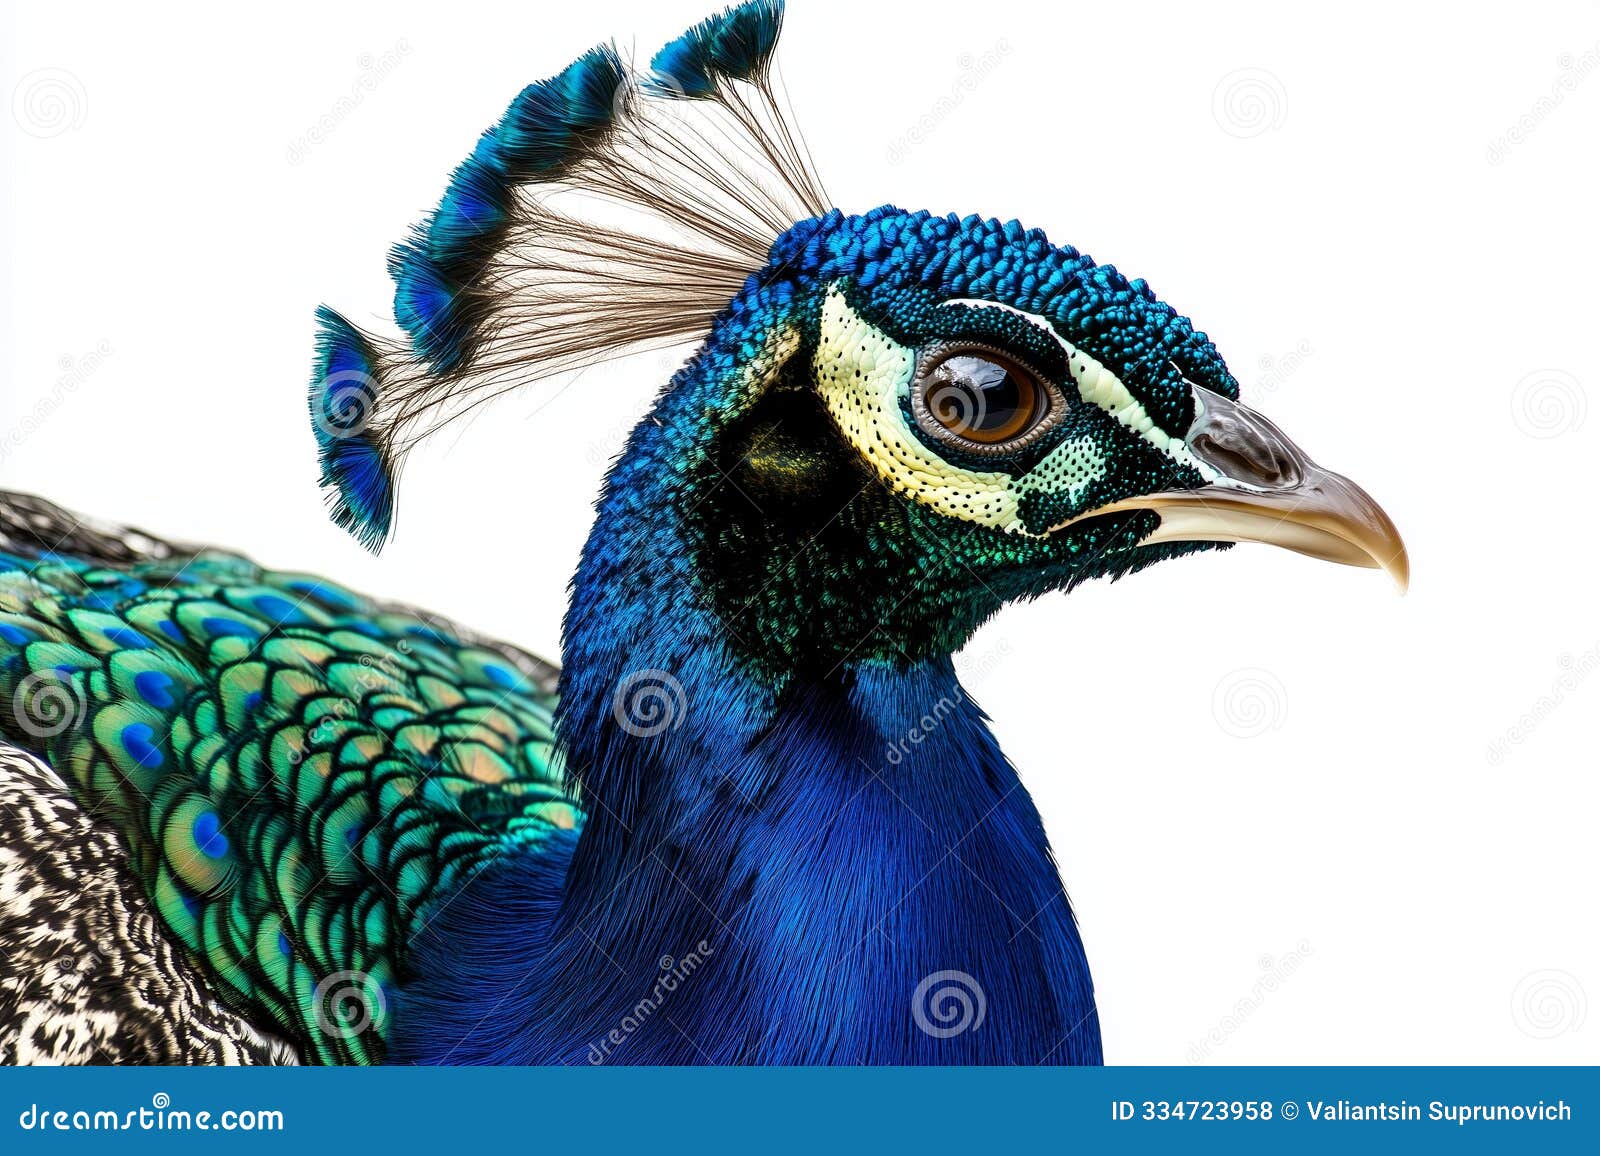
895, 423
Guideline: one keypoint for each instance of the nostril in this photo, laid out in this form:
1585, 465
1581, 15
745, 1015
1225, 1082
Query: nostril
1245, 452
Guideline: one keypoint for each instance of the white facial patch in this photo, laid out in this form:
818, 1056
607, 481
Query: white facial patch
1097, 385
863, 377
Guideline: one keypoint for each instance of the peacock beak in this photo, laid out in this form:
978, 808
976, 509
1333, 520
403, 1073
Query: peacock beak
1266, 489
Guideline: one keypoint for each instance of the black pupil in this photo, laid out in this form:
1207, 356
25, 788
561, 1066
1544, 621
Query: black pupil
979, 396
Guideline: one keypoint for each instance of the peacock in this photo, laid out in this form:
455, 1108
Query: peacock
253, 816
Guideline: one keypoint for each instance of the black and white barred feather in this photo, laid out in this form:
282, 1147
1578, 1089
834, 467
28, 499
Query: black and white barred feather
88, 973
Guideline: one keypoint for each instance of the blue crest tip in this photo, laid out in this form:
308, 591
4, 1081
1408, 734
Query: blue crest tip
547, 128
736, 45
354, 459
425, 305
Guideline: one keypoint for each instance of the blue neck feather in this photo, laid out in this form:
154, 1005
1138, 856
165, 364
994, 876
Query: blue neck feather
771, 875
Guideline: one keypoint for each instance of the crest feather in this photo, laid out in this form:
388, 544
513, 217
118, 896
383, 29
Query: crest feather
355, 466
607, 211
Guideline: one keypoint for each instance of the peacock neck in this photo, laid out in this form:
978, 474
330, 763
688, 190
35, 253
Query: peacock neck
818, 848
842, 868
832, 866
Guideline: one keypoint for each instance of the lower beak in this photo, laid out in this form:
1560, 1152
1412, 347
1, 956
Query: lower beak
1265, 489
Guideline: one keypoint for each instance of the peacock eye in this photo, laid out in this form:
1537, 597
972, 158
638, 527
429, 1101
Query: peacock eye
979, 399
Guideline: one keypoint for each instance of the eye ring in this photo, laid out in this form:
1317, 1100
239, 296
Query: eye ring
981, 399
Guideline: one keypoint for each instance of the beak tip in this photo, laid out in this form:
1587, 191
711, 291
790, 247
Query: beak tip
1399, 568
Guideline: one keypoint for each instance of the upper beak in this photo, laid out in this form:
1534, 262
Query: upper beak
1267, 490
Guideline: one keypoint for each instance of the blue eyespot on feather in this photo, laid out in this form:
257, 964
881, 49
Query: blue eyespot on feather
425, 306
355, 462
683, 68
474, 207
556, 121
736, 45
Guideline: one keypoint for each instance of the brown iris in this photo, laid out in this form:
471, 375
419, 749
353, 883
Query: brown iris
980, 397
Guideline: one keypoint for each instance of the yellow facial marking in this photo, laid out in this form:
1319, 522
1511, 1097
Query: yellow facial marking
863, 377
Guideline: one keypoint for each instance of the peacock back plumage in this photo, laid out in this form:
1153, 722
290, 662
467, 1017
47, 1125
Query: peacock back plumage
298, 772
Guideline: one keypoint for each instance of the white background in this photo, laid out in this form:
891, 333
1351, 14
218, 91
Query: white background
1269, 781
